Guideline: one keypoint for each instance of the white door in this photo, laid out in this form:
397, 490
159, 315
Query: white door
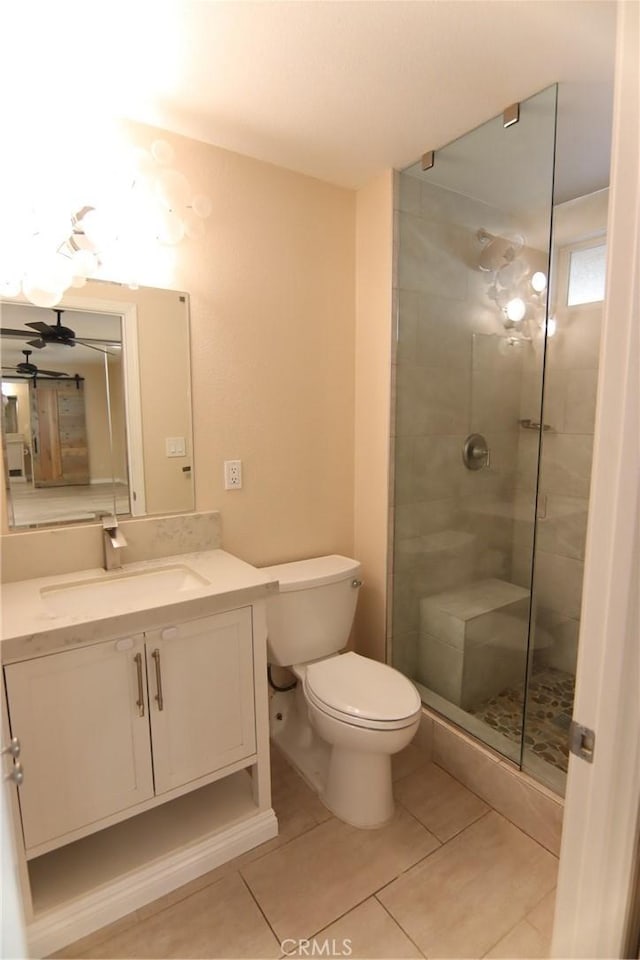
201, 697
82, 720
600, 833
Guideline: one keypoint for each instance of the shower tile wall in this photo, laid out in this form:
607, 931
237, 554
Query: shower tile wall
452, 376
565, 472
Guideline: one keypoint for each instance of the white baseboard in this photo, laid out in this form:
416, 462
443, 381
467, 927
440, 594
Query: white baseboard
63, 925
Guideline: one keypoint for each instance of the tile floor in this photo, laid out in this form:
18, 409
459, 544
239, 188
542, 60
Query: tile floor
448, 877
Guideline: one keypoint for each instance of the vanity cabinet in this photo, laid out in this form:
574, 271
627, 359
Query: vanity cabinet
84, 744
111, 728
201, 697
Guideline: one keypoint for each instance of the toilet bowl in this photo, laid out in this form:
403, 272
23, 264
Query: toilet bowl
348, 714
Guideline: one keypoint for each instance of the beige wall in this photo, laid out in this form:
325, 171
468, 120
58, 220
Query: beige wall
374, 259
272, 323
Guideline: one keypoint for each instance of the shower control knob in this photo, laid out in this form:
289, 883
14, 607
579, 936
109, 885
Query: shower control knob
475, 452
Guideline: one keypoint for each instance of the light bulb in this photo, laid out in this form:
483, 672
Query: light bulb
516, 309
100, 228
38, 295
539, 281
552, 326
83, 263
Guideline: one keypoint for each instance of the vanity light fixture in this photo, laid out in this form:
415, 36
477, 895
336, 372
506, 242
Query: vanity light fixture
143, 202
519, 294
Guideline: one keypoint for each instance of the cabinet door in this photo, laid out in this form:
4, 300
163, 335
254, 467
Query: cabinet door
204, 719
82, 720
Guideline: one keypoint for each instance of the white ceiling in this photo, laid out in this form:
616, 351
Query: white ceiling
336, 89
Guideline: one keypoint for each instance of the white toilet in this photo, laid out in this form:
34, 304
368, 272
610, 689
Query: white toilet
347, 714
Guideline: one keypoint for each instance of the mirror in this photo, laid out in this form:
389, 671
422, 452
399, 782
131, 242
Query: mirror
97, 405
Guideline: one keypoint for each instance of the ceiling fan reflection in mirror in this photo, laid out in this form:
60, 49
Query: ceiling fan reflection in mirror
50, 333
25, 370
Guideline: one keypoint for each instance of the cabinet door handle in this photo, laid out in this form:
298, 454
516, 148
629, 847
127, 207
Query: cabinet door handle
140, 700
159, 698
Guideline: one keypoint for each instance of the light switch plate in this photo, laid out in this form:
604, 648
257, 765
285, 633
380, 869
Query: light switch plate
175, 446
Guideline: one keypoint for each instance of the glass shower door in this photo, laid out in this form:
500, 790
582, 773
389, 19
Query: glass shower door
472, 267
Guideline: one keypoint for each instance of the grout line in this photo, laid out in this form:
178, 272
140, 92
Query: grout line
399, 925
441, 845
509, 931
537, 904
264, 916
499, 812
342, 915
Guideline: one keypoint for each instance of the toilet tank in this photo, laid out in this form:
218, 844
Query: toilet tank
312, 615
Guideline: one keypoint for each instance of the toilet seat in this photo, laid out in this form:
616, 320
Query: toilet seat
362, 692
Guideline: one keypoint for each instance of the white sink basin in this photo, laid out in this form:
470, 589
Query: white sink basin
125, 589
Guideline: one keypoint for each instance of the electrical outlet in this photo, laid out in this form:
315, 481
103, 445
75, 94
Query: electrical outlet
233, 474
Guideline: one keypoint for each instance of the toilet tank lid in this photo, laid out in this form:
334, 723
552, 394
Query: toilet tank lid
315, 572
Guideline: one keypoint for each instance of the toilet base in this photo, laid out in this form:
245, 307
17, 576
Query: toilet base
354, 784
294, 736
358, 788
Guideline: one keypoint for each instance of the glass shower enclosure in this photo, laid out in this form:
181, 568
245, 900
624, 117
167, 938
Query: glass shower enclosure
473, 239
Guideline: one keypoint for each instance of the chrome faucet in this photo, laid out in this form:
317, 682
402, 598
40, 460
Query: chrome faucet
114, 541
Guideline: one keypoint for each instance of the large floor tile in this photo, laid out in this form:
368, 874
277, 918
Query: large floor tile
541, 917
82, 947
524, 942
297, 808
366, 931
409, 760
220, 921
531, 807
467, 895
439, 801
316, 878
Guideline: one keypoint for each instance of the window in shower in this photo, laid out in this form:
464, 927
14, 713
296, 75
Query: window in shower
587, 267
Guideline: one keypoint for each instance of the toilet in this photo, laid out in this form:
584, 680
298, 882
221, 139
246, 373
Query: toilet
346, 715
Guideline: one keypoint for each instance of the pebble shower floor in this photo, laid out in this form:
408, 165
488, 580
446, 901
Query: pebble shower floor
549, 710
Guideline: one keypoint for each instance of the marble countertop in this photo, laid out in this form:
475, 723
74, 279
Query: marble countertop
30, 629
